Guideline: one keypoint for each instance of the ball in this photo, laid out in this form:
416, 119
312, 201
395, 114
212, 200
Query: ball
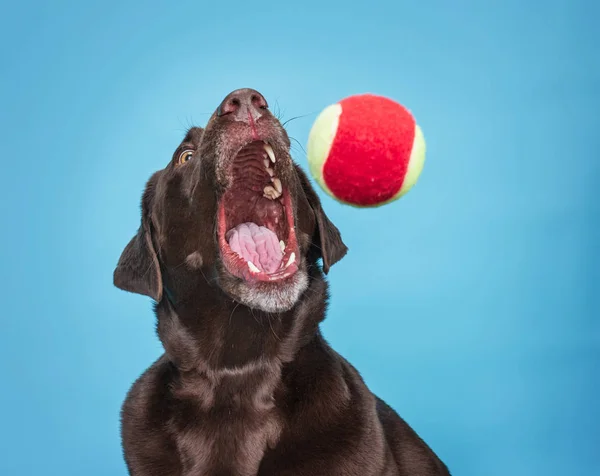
366, 150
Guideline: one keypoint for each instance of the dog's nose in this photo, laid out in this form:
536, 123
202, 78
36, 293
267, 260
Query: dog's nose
245, 105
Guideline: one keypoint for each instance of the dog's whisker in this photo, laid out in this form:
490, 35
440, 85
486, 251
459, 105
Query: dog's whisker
205, 278
257, 321
299, 144
297, 117
231, 315
273, 330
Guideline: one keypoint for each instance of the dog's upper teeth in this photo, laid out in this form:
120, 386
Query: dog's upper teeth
277, 184
253, 267
269, 151
267, 163
282, 245
291, 259
271, 193
270, 171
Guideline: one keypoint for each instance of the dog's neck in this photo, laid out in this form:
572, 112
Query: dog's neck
215, 336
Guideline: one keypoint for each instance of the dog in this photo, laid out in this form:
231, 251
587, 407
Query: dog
234, 247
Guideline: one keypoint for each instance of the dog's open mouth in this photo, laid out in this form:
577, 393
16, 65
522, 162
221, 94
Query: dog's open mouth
255, 219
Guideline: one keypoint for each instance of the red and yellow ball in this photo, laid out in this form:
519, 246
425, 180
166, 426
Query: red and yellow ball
366, 150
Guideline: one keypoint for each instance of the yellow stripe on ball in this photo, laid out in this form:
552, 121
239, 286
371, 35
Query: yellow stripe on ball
320, 140
415, 163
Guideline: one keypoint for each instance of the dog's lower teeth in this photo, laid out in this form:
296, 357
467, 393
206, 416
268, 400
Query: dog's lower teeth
282, 245
291, 259
253, 267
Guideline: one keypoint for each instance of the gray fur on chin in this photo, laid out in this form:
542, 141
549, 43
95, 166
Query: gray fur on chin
278, 299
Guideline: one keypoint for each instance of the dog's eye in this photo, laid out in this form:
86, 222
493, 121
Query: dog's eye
184, 157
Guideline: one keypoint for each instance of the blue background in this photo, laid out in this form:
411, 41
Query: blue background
482, 299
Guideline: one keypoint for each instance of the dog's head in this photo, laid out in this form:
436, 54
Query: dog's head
230, 210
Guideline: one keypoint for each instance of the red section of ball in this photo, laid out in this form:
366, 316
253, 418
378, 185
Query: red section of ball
370, 153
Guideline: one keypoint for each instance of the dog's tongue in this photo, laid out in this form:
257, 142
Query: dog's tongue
257, 244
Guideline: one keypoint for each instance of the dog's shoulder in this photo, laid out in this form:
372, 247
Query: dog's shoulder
411, 453
149, 394
147, 444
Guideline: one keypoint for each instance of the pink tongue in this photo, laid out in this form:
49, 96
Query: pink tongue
257, 244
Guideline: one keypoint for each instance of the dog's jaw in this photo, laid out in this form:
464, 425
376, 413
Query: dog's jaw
279, 290
267, 297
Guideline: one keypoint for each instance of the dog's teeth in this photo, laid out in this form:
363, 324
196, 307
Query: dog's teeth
277, 184
282, 245
270, 171
253, 267
270, 153
271, 193
291, 259
267, 163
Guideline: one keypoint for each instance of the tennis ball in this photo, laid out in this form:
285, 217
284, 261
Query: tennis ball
366, 150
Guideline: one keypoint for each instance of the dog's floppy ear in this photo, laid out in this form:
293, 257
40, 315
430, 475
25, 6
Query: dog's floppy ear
138, 269
327, 239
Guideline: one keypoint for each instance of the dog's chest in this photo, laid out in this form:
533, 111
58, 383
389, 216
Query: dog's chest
227, 440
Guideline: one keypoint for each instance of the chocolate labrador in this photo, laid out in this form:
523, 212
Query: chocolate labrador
233, 247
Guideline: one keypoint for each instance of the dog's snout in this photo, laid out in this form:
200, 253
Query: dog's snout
244, 105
